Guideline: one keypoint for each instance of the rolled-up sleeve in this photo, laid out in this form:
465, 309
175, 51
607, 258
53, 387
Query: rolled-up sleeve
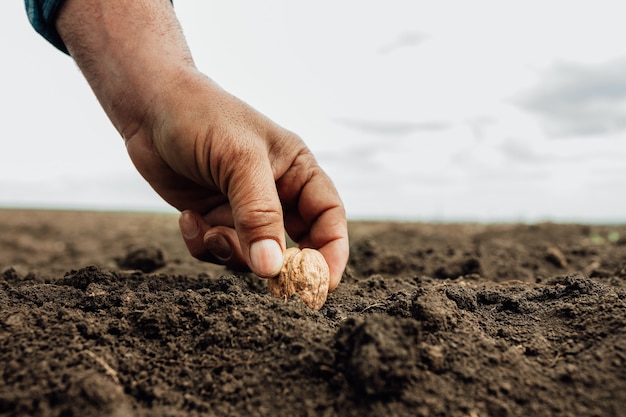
42, 15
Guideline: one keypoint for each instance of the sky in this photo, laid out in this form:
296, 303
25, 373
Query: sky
436, 111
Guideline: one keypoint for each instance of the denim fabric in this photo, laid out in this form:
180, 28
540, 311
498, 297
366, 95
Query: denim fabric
42, 15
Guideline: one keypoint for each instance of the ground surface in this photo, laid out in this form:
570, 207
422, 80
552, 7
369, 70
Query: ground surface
430, 320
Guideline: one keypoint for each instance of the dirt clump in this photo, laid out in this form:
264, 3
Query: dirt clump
429, 320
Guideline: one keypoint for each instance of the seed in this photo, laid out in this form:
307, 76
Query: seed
304, 272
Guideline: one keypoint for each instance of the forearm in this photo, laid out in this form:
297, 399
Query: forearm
129, 51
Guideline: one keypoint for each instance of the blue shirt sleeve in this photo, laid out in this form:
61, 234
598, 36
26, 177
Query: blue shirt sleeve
42, 15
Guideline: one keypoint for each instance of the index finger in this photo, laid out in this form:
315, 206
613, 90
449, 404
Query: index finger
315, 216
331, 231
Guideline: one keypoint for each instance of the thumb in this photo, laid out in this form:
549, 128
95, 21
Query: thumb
258, 217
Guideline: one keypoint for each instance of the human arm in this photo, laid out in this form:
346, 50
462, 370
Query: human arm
239, 179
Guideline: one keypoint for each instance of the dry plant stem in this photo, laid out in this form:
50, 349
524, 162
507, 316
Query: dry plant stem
107, 368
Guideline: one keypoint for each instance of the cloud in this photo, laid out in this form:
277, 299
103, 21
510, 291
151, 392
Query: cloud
407, 39
391, 128
362, 158
579, 100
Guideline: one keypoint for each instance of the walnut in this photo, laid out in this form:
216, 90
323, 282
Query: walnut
305, 273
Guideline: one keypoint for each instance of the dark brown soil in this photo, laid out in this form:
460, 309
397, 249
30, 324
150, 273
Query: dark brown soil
105, 314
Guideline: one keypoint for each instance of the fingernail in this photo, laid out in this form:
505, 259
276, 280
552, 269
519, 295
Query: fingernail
188, 225
219, 246
266, 257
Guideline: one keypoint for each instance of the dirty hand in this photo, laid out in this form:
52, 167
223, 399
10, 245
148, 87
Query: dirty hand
239, 179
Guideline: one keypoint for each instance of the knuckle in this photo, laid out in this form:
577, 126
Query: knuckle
257, 216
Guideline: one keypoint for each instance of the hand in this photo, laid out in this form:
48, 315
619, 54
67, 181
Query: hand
239, 179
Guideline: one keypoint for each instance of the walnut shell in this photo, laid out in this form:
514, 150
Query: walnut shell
305, 273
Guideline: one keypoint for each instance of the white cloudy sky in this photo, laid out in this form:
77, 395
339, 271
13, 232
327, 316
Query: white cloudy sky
483, 110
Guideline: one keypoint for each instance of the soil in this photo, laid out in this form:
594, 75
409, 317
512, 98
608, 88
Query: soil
105, 314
